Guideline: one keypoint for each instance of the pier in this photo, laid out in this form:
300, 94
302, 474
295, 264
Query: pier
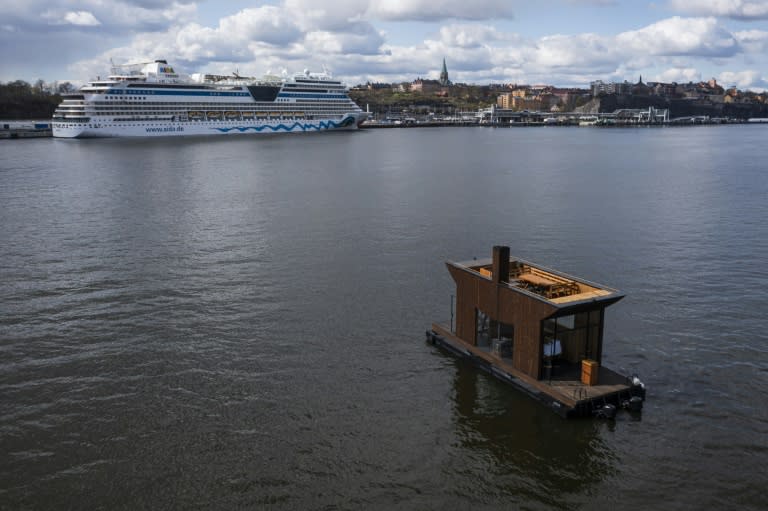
25, 129
495, 116
501, 118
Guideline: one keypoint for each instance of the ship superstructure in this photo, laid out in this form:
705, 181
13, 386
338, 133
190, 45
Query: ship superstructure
151, 99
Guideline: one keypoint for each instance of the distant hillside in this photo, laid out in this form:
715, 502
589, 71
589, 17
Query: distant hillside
679, 107
460, 98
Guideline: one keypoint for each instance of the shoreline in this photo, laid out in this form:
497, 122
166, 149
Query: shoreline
43, 129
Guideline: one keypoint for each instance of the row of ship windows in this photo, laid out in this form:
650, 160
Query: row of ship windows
205, 107
100, 125
128, 97
313, 85
279, 106
204, 114
209, 114
328, 111
202, 103
200, 113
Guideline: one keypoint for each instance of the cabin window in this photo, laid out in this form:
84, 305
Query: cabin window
495, 336
572, 338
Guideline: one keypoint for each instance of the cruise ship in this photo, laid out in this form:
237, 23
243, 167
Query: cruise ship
153, 100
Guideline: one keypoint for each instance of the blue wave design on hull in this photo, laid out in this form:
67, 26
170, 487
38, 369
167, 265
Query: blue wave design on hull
296, 126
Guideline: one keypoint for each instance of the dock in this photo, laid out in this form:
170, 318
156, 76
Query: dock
25, 129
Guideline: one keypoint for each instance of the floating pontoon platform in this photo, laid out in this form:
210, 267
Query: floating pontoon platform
564, 393
539, 330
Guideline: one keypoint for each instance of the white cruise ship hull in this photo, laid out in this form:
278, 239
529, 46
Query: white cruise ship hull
152, 100
192, 128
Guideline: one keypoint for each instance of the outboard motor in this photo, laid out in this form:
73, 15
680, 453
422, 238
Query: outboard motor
635, 404
607, 411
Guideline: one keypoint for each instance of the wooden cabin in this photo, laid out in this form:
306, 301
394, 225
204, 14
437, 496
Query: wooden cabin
537, 326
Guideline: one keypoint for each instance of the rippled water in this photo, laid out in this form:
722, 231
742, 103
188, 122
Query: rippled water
238, 323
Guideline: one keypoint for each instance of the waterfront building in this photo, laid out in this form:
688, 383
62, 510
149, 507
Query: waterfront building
599, 87
504, 101
425, 86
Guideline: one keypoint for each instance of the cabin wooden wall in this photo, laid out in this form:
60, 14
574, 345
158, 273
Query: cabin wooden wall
504, 304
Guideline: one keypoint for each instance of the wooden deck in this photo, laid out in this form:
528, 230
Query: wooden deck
565, 385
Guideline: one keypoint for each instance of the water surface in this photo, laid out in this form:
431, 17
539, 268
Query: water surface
239, 322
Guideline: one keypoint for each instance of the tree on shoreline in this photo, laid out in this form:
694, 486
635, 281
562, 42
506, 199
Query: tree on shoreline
21, 101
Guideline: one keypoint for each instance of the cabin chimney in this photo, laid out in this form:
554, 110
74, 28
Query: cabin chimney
500, 264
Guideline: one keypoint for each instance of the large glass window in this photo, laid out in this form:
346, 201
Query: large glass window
572, 338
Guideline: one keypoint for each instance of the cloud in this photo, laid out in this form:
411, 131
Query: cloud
253, 40
702, 37
337, 15
267, 24
590, 56
753, 41
583, 51
679, 75
736, 9
474, 36
593, 2
341, 14
82, 18
120, 16
363, 41
359, 39
435, 10
748, 79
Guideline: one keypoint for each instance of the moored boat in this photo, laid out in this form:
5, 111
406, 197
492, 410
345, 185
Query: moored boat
539, 330
152, 99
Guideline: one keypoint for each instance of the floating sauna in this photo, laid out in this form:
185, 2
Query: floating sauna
539, 330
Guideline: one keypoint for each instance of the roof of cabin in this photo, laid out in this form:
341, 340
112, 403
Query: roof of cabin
554, 287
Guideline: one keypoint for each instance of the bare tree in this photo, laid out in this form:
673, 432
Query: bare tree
38, 87
66, 87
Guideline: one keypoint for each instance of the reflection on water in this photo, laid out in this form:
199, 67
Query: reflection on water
535, 454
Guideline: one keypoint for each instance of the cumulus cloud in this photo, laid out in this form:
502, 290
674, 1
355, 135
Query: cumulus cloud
338, 15
754, 41
679, 75
255, 40
580, 51
347, 35
474, 36
681, 36
267, 24
748, 79
593, 2
736, 9
113, 17
363, 41
433, 10
128, 17
295, 35
82, 18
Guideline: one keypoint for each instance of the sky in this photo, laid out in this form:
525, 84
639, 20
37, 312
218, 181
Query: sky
567, 43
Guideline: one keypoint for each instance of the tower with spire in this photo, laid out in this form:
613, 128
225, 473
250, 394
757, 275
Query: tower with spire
444, 81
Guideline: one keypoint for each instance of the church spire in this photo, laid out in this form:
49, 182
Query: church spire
444, 81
